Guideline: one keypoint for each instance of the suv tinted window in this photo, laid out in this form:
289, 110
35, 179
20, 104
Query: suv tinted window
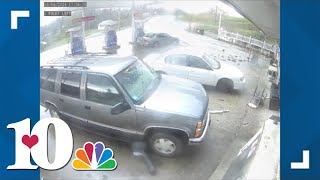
47, 79
70, 84
177, 59
100, 89
197, 62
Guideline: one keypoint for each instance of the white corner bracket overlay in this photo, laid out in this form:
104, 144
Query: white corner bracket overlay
15, 15
305, 161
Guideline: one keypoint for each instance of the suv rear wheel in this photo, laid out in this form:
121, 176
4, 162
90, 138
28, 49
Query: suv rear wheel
166, 144
54, 112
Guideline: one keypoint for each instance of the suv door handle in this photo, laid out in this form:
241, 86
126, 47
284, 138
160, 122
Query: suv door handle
60, 99
87, 107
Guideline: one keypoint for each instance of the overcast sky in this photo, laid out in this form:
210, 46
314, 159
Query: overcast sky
188, 6
200, 6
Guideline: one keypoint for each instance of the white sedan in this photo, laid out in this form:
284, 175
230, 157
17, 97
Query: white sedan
198, 67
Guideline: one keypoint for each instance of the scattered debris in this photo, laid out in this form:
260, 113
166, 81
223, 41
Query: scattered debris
257, 98
219, 111
245, 123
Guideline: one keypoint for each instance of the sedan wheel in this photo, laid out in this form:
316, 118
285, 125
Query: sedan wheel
225, 85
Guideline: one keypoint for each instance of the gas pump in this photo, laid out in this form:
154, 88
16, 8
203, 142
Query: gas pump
139, 30
77, 44
137, 35
110, 37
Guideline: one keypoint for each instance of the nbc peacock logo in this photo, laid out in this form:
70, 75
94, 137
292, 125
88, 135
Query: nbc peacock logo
94, 157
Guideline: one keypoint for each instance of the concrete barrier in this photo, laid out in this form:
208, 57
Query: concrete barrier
257, 159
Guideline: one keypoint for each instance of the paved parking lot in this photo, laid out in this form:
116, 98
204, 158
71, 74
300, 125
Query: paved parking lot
198, 162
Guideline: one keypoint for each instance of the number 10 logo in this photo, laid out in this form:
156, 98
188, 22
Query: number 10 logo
36, 144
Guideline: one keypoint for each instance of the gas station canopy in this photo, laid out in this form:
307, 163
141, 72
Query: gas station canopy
265, 14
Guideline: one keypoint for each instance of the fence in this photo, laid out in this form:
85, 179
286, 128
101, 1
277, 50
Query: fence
238, 39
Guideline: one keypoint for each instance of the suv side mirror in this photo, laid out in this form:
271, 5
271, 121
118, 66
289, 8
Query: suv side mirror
119, 108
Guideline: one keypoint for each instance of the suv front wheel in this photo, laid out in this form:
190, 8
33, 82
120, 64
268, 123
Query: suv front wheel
166, 144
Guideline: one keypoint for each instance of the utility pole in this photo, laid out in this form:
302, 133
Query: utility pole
133, 22
219, 26
119, 19
215, 15
83, 31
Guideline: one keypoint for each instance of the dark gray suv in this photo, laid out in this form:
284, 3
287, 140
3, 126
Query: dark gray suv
123, 97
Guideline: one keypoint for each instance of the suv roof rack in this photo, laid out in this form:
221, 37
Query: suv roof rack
90, 54
64, 66
97, 54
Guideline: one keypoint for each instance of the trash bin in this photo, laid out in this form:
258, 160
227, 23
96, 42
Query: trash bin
200, 31
274, 102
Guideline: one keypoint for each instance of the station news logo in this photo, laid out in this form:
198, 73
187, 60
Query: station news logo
90, 157
94, 157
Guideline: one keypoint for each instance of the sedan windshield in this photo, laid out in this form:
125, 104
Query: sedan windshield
214, 63
149, 35
138, 81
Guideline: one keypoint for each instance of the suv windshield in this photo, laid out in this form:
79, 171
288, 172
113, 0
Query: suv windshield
138, 81
214, 63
